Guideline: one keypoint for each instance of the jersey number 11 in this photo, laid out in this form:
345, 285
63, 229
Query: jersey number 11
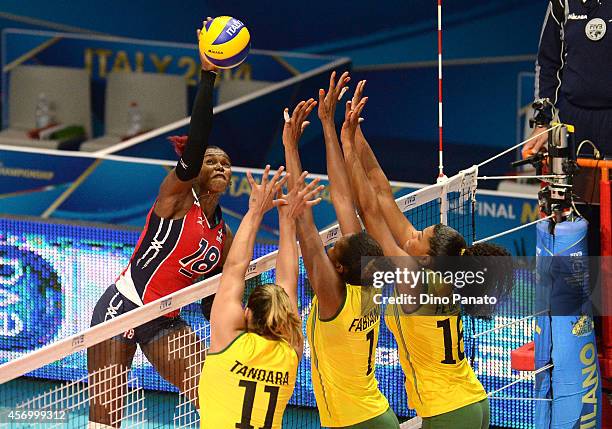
247, 406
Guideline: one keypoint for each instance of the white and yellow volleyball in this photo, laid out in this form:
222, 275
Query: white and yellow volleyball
225, 42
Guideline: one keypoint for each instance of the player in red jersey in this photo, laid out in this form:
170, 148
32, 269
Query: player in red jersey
184, 239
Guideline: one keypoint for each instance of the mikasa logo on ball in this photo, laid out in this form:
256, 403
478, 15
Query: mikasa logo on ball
596, 29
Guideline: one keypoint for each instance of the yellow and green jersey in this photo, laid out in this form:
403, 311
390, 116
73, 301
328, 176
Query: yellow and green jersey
248, 384
343, 355
439, 378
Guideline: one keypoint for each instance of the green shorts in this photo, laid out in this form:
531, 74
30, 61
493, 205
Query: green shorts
387, 420
473, 416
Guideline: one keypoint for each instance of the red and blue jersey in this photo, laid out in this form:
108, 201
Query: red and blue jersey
171, 254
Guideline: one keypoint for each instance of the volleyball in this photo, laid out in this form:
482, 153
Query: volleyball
225, 42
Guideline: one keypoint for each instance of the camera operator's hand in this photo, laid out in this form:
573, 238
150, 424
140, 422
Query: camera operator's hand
540, 138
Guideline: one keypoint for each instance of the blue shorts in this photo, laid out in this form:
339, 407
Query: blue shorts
112, 304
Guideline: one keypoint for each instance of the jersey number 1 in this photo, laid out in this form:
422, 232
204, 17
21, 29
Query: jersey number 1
370, 338
247, 405
448, 341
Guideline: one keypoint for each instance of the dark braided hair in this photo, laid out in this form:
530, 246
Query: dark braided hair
447, 244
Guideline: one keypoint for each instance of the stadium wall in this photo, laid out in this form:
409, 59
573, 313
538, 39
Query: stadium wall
486, 46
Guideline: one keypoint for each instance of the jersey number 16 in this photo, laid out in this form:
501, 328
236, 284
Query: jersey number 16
448, 341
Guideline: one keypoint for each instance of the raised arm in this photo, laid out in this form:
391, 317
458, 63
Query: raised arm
365, 195
298, 199
339, 185
227, 314
177, 184
323, 277
287, 259
295, 124
370, 209
400, 226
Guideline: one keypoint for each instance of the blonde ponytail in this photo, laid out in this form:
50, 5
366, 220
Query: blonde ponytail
273, 314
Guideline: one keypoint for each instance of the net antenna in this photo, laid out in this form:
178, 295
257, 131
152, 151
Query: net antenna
441, 175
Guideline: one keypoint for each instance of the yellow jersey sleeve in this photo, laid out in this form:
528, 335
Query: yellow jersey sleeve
248, 384
343, 354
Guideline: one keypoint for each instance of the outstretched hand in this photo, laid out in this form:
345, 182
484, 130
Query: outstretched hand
351, 121
296, 123
262, 194
299, 198
206, 65
329, 99
358, 95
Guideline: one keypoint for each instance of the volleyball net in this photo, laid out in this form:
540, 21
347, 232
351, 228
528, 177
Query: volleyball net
65, 360
60, 390
45, 377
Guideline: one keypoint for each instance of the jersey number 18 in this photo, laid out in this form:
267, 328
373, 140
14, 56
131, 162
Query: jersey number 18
201, 261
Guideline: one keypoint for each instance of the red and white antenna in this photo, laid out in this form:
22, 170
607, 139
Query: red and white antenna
440, 148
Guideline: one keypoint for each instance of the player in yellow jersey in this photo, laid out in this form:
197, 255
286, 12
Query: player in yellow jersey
250, 370
343, 323
440, 383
